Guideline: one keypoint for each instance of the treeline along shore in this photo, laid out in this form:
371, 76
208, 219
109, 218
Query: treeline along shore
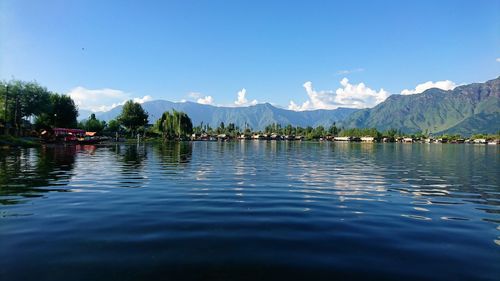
29, 113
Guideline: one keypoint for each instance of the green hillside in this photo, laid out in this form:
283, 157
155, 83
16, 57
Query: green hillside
467, 109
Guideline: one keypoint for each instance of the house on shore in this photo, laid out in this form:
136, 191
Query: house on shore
407, 140
494, 142
205, 137
259, 137
368, 139
223, 137
342, 138
275, 137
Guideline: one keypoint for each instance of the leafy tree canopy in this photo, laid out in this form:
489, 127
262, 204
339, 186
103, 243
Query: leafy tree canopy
174, 125
133, 116
92, 124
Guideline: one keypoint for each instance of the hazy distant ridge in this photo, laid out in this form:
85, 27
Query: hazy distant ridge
468, 109
257, 116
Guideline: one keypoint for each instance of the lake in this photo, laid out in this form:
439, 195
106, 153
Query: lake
251, 210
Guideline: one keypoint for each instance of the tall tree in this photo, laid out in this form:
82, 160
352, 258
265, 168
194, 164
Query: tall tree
24, 100
113, 126
61, 112
93, 124
174, 125
333, 130
64, 111
133, 116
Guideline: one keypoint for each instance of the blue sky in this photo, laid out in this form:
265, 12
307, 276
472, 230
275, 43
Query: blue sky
318, 54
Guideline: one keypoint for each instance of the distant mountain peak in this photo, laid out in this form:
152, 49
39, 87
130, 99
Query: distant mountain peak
256, 116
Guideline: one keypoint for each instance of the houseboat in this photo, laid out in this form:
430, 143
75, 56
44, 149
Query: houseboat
68, 135
342, 138
275, 137
88, 138
368, 139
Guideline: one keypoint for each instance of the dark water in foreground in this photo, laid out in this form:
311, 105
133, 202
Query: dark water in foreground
251, 211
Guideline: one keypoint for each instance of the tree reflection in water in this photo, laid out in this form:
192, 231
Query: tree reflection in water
31, 172
174, 153
137, 162
131, 156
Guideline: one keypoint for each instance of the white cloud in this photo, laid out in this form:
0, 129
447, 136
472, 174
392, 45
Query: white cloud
242, 100
294, 106
498, 59
97, 100
443, 85
206, 100
143, 99
194, 95
349, 71
199, 98
349, 95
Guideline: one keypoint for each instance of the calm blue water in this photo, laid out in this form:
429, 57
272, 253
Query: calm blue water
250, 211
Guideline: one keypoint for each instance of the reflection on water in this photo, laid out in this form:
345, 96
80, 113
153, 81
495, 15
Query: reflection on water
250, 210
174, 153
31, 172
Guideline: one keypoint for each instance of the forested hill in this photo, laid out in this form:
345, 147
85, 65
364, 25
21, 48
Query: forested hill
468, 109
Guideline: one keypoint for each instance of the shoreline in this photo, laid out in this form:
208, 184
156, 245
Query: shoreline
12, 142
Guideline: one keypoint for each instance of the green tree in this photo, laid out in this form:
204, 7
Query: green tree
113, 126
93, 124
133, 116
220, 129
24, 100
62, 112
333, 130
174, 125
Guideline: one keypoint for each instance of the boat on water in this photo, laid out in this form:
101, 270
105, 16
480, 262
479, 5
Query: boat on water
70, 136
88, 138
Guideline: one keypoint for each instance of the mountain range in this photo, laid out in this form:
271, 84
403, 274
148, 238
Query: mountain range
256, 116
467, 109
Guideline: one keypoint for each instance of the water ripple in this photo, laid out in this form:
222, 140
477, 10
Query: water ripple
352, 211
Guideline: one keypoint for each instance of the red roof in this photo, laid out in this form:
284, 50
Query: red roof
61, 131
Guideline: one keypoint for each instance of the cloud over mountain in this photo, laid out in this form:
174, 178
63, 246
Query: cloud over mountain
206, 100
420, 88
349, 95
242, 100
99, 100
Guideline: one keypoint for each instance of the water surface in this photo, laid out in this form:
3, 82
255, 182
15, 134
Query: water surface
250, 210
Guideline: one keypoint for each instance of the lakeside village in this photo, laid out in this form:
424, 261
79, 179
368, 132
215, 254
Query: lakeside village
30, 115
